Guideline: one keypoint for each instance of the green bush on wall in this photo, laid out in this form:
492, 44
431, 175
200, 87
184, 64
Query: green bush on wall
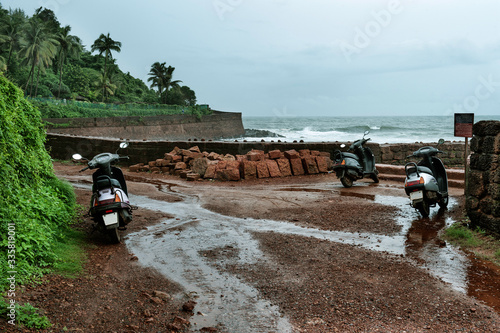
34, 205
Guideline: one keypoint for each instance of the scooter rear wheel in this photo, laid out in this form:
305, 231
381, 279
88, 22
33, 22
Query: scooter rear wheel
443, 203
423, 208
114, 234
346, 181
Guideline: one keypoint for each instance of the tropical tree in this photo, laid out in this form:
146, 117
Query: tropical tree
105, 44
168, 83
104, 86
39, 47
11, 31
68, 46
161, 77
157, 72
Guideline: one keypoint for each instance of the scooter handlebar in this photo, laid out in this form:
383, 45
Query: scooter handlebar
84, 169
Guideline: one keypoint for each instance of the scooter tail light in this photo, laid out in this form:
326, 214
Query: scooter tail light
415, 182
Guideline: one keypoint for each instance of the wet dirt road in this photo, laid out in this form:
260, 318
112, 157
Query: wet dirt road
211, 245
177, 247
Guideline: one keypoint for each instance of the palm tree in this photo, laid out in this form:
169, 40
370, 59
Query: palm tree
68, 45
156, 74
11, 31
161, 77
104, 44
38, 47
167, 81
104, 86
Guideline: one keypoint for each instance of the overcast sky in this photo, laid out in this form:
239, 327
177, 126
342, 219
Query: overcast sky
305, 58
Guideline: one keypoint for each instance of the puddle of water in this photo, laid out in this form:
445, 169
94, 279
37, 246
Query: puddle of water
223, 299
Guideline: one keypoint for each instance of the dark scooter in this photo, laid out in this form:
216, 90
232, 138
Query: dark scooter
356, 165
426, 181
109, 207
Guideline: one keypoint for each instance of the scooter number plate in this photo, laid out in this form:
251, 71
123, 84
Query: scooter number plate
416, 196
110, 219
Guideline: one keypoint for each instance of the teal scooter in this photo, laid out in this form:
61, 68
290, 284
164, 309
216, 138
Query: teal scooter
357, 163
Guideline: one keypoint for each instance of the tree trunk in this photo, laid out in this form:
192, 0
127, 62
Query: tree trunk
29, 76
37, 79
61, 62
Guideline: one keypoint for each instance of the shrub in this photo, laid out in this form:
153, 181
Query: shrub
34, 204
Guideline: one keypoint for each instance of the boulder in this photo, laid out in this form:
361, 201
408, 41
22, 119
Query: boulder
248, 170
274, 170
284, 166
200, 165
304, 152
262, 170
275, 154
228, 174
255, 156
292, 154
322, 164
195, 149
210, 172
297, 168
135, 168
180, 166
309, 164
192, 176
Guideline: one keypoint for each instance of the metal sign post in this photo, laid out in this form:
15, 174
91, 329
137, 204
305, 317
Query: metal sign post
463, 128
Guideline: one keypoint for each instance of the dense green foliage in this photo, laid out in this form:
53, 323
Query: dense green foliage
43, 58
73, 109
34, 204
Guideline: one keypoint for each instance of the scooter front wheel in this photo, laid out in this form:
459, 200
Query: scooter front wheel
423, 208
346, 181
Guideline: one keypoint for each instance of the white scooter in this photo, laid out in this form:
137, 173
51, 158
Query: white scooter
426, 181
109, 206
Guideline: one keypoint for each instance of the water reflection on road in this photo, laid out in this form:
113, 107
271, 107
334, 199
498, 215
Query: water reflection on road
175, 248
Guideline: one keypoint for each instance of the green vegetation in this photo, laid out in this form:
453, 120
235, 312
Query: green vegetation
70, 254
35, 206
477, 241
26, 314
42, 57
72, 109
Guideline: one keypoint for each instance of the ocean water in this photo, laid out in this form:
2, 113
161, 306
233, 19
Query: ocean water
404, 129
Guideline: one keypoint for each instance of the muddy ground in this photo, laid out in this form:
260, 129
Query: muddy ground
310, 283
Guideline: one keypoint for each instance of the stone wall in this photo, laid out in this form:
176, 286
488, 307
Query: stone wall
63, 146
170, 127
483, 179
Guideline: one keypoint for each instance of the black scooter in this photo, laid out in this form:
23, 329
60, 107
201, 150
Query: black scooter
356, 165
426, 181
109, 206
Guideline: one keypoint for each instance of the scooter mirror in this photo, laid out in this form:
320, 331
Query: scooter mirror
367, 132
342, 146
124, 145
441, 141
77, 157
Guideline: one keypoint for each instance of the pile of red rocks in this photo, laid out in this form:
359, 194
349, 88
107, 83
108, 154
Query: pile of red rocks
193, 164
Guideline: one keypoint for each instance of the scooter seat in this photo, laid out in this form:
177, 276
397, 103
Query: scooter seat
103, 182
350, 155
420, 168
